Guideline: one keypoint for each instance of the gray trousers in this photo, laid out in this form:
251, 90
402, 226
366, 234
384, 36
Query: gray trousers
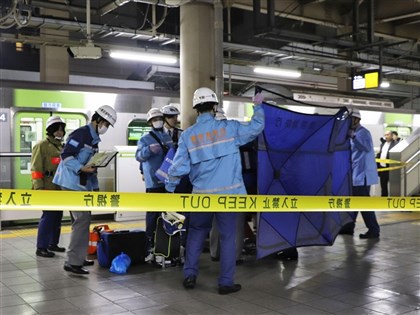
79, 238
239, 237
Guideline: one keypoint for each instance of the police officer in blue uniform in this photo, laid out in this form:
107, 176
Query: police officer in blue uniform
151, 150
170, 117
364, 174
209, 152
74, 173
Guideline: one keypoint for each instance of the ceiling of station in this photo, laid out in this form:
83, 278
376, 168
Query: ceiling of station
325, 39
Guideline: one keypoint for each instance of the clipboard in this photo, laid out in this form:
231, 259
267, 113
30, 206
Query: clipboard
102, 159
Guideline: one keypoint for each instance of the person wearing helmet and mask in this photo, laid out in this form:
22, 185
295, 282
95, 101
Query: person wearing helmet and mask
170, 118
209, 152
364, 174
44, 163
151, 150
74, 173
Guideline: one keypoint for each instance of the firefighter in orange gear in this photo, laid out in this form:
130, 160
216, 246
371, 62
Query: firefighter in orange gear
44, 163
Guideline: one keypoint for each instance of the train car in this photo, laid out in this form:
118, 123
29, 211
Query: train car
23, 114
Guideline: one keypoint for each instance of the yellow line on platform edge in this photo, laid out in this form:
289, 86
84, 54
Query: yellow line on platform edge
66, 229
21, 200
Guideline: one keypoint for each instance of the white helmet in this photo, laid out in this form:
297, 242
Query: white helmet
356, 113
108, 113
54, 120
204, 95
169, 110
154, 112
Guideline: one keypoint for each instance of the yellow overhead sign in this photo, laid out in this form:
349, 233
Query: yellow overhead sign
371, 80
365, 80
13, 199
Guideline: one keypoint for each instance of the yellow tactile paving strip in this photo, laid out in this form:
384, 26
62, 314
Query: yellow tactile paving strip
9, 233
383, 218
396, 217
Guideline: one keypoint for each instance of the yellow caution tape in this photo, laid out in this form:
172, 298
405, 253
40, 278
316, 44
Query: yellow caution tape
388, 161
11, 199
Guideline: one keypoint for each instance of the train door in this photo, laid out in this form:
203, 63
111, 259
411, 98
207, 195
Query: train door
29, 128
127, 164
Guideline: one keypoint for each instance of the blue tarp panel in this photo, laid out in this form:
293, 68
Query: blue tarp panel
302, 154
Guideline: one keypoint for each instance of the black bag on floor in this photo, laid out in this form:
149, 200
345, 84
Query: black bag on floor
111, 244
167, 250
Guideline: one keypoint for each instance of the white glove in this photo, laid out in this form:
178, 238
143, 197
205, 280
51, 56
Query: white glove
258, 99
155, 148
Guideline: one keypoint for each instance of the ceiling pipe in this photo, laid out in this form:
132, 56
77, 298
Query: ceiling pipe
218, 49
256, 8
111, 6
289, 15
271, 13
356, 30
371, 21
399, 17
59, 7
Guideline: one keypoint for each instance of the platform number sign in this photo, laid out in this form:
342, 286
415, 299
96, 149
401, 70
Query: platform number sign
3, 117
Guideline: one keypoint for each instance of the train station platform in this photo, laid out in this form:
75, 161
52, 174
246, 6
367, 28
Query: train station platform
354, 276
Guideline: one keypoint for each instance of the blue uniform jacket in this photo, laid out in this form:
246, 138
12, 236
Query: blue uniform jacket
209, 152
81, 145
363, 158
152, 161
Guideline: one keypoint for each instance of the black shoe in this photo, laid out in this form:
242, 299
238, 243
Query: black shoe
232, 289
189, 282
214, 258
44, 253
56, 248
240, 261
288, 254
368, 235
76, 269
346, 232
250, 247
88, 262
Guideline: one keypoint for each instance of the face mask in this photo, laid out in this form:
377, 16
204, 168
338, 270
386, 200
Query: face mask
157, 124
102, 129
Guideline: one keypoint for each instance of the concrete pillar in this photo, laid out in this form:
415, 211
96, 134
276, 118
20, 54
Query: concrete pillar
54, 60
197, 55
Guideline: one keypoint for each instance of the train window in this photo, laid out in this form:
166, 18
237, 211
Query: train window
135, 130
30, 133
30, 129
71, 125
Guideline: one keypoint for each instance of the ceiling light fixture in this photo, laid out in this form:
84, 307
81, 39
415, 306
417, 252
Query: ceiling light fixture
144, 57
385, 84
278, 72
169, 41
